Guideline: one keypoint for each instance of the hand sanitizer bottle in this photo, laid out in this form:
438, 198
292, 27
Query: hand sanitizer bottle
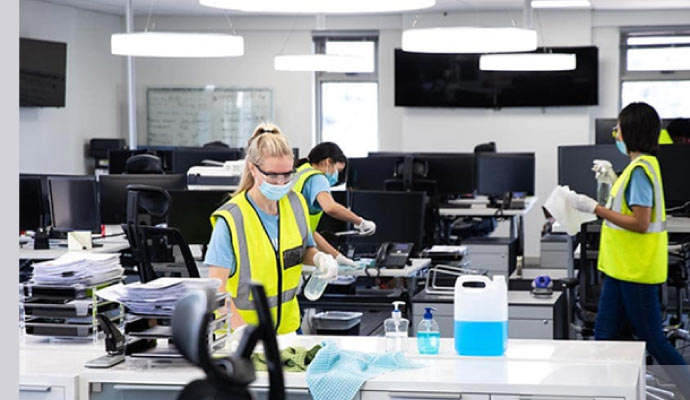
428, 334
396, 330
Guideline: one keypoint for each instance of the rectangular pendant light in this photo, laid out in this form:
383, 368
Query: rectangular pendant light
174, 44
561, 4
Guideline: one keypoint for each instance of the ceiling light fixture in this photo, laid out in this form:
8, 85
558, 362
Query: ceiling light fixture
321, 63
320, 6
528, 62
469, 40
561, 4
173, 44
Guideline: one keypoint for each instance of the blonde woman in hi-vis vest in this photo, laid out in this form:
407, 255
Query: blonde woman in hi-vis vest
262, 234
633, 251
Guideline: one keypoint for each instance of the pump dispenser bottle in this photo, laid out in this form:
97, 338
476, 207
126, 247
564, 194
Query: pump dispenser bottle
396, 330
428, 334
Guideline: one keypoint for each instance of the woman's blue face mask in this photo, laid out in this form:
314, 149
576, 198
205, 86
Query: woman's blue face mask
332, 178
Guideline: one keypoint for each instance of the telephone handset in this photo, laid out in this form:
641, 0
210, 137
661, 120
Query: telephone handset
393, 255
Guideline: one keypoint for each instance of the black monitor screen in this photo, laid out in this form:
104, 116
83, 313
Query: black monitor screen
370, 173
74, 204
399, 217
575, 165
190, 212
183, 159
674, 161
113, 192
499, 173
455, 80
330, 224
453, 173
42, 66
30, 203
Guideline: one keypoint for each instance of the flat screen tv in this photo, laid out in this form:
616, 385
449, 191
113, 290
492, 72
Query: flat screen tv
42, 66
455, 80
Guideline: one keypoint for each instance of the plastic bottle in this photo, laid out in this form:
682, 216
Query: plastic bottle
603, 182
428, 334
481, 315
396, 330
316, 286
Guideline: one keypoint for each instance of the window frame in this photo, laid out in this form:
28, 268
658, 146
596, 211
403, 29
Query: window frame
659, 75
319, 39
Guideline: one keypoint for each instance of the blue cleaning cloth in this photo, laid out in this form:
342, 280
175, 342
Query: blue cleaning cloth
337, 374
361, 264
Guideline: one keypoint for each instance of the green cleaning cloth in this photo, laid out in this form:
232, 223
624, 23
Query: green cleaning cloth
295, 359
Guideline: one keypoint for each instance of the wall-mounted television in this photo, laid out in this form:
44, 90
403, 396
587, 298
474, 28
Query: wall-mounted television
42, 66
455, 80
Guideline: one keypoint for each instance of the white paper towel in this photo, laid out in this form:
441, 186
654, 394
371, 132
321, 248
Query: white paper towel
558, 206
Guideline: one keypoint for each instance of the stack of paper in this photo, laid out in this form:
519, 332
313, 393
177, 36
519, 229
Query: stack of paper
78, 268
157, 297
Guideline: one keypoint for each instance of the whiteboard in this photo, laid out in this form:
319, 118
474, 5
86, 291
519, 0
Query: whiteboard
194, 116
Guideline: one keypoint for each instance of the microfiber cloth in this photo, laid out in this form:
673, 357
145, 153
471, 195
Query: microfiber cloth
337, 374
361, 264
295, 359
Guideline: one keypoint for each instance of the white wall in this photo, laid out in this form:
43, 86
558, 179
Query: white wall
52, 140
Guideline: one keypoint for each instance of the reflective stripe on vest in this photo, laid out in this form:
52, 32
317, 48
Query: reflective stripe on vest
631, 256
254, 266
304, 172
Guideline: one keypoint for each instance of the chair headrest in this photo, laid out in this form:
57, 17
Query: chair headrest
190, 325
152, 200
144, 164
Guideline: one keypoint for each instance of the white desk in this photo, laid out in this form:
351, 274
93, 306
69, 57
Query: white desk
545, 369
110, 245
479, 209
673, 225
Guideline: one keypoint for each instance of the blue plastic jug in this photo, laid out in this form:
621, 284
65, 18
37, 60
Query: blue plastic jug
481, 316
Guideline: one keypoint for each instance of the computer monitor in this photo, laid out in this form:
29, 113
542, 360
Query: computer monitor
453, 172
500, 173
190, 212
399, 217
575, 165
370, 173
330, 224
185, 158
674, 161
113, 192
31, 207
74, 204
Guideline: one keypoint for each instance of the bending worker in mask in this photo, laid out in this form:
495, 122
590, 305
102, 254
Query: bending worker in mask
262, 234
315, 176
633, 250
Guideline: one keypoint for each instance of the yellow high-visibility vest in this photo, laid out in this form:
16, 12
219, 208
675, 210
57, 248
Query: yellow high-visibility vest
631, 256
304, 173
664, 137
257, 260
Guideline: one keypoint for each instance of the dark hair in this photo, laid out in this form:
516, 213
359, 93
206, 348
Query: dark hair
323, 151
679, 128
640, 126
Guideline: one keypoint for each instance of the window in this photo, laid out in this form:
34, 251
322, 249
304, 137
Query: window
347, 103
655, 68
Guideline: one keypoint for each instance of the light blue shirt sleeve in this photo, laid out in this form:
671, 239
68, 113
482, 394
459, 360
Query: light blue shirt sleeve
315, 185
640, 191
220, 251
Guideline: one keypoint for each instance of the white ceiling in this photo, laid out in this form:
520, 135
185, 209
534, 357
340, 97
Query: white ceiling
192, 7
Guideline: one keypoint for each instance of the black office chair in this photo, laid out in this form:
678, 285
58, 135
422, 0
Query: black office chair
228, 377
216, 144
147, 206
144, 164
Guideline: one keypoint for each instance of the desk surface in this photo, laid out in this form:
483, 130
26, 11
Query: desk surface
589, 368
418, 264
110, 245
515, 298
673, 225
586, 368
479, 209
